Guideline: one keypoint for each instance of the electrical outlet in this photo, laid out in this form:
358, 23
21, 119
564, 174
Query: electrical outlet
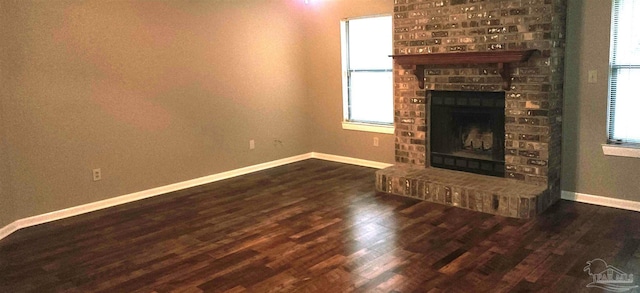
252, 144
376, 142
97, 174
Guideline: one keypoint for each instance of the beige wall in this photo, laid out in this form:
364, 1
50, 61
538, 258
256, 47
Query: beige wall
6, 198
153, 93
6, 202
585, 168
324, 80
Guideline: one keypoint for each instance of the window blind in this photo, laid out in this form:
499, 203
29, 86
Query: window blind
624, 97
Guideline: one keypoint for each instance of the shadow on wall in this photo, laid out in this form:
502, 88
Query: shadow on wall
571, 101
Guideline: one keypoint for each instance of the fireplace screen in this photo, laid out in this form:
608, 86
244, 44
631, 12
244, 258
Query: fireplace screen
476, 139
467, 131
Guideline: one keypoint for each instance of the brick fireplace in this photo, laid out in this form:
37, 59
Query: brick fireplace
513, 49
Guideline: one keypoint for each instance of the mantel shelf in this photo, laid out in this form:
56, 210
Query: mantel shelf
502, 58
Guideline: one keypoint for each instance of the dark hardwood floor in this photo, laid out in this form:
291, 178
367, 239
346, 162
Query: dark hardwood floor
314, 226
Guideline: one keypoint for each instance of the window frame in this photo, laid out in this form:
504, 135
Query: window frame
615, 146
368, 126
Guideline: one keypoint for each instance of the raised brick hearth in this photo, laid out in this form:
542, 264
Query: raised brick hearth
533, 100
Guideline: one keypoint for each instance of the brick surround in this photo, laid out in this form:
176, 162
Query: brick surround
533, 103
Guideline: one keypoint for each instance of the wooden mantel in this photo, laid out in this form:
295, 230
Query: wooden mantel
502, 58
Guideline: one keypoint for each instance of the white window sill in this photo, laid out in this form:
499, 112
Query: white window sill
621, 150
367, 127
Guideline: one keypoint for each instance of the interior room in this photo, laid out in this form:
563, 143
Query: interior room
112, 112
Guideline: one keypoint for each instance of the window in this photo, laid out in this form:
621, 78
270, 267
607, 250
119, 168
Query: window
367, 71
624, 101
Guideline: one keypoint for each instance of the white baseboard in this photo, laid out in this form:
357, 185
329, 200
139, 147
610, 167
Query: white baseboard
8, 229
352, 161
601, 200
107, 203
123, 199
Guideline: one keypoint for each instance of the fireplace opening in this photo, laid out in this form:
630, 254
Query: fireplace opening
467, 131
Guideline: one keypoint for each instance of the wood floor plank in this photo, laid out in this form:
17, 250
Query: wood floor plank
314, 226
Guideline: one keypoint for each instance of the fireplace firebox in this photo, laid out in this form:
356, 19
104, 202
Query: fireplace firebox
467, 131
